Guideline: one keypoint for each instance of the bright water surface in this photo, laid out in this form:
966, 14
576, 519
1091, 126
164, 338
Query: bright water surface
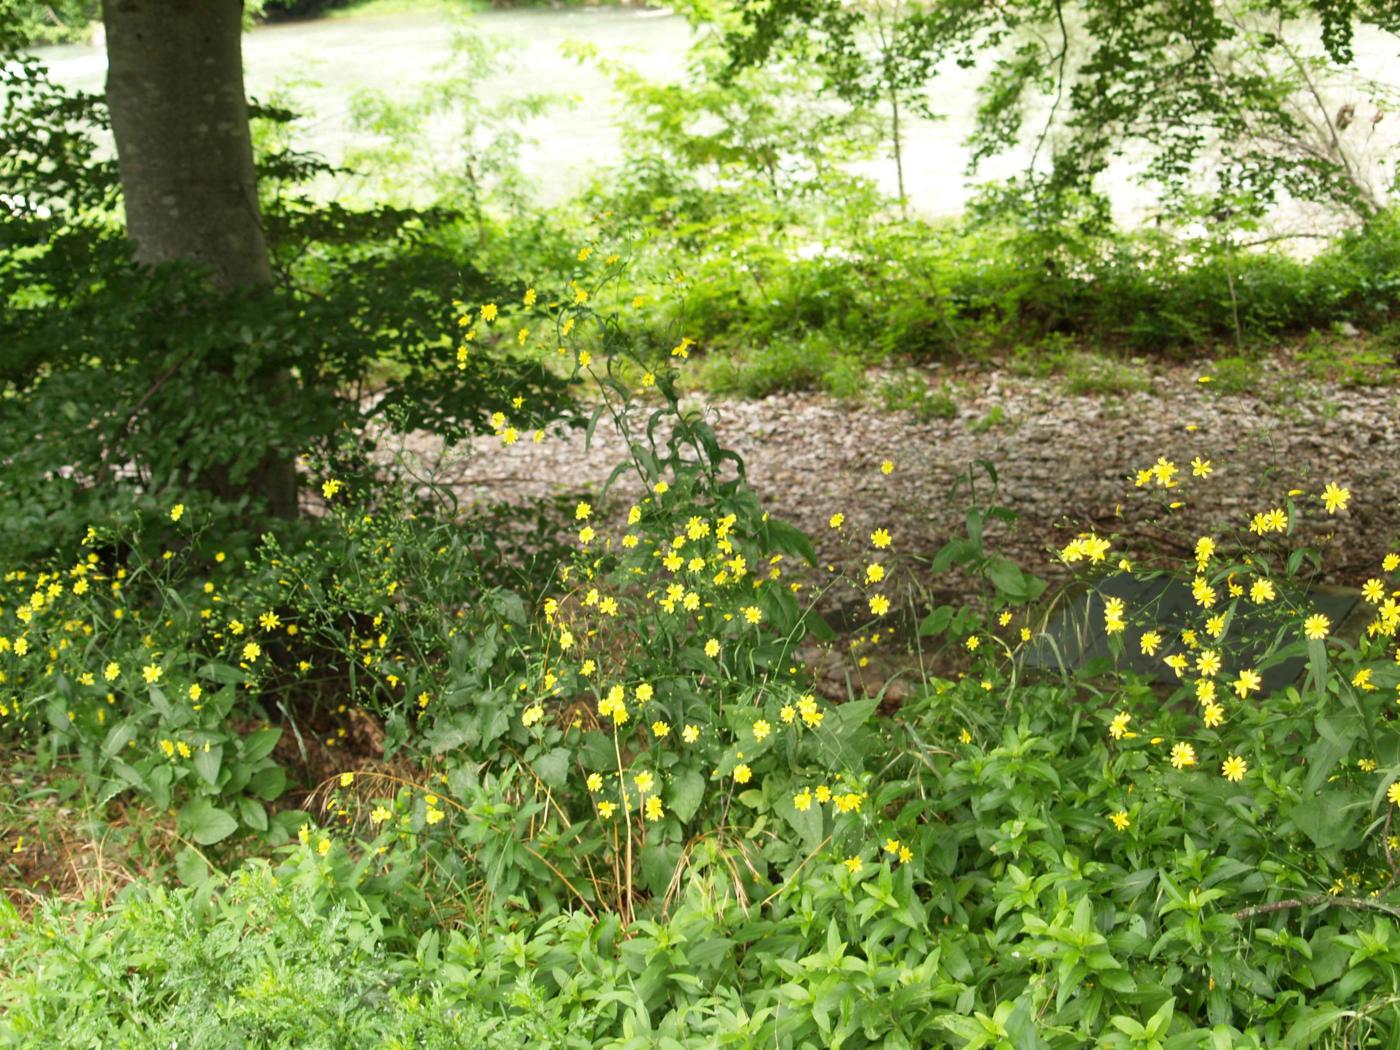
325, 61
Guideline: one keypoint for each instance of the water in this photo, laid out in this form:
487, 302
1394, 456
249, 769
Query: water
325, 61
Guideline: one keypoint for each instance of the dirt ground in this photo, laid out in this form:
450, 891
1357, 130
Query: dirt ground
1065, 463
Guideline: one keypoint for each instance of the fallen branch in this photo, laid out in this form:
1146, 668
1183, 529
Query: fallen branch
1357, 903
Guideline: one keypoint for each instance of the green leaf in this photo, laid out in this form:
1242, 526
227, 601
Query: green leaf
553, 767
204, 822
258, 745
1328, 819
252, 814
659, 862
790, 540
1305, 1031
268, 783
191, 868
936, 622
1008, 578
684, 793
207, 763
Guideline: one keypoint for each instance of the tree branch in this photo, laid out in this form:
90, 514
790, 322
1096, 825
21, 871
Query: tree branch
1354, 903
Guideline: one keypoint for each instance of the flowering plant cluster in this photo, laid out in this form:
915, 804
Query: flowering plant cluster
632, 747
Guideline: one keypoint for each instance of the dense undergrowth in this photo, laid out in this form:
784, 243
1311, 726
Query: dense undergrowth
611, 809
412, 774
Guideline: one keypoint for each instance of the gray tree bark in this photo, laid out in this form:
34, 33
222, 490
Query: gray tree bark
185, 158
184, 150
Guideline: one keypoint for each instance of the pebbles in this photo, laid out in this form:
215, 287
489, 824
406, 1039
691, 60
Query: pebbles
1063, 462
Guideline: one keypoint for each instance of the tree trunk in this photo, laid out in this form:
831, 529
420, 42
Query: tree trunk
185, 157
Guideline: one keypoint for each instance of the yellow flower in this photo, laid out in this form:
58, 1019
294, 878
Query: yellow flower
712, 648
1214, 715
379, 815
1120, 820
852, 864
606, 809
1234, 768
1164, 471
1118, 728
1208, 663
887, 467
1149, 642
654, 809
433, 815
836, 520
659, 729
1334, 497
151, 673
690, 734
1201, 468
742, 773
761, 729
1261, 591
880, 538
532, 714
752, 614
595, 782
582, 511
1373, 591
177, 512
1393, 793
874, 572
802, 801
972, 643
1113, 615
1316, 627
1183, 755
251, 651
644, 781
330, 487
1248, 682
1203, 592
1391, 562
324, 846
879, 604
1205, 550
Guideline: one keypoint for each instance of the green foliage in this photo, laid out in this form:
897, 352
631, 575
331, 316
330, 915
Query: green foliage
267, 959
1237, 84
163, 385
479, 165
618, 812
53, 22
599, 802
